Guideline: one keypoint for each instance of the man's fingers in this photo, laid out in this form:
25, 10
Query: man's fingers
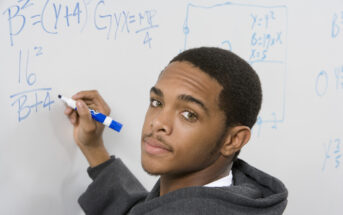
71, 114
73, 118
93, 100
86, 95
85, 118
68, 111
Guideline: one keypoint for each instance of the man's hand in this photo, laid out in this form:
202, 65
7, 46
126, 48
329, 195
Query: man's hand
88, 132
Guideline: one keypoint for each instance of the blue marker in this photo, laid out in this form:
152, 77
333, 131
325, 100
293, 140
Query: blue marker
102, 118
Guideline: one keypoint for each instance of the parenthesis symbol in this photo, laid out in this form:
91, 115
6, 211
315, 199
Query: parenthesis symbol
42, 19
86, 19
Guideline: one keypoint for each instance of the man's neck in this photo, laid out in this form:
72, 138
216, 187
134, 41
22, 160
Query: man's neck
169, 183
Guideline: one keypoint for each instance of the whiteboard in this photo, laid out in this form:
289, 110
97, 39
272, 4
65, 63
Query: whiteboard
119, 47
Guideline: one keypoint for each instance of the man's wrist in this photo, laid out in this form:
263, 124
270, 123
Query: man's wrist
93, 172
95, 154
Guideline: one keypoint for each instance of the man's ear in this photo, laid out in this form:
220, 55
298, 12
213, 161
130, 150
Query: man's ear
235, 139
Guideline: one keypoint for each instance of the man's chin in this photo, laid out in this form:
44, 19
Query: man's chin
152, 169
152, 174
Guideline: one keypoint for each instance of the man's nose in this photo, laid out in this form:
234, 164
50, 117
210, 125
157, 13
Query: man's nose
163, 122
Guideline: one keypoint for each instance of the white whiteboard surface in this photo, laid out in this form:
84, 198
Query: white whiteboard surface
119, 47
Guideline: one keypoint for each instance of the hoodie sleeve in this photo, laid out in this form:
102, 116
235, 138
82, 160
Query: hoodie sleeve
114, 190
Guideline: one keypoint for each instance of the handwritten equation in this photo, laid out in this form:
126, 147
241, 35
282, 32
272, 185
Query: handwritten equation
332, 154
54, 18
263, 37
32, 99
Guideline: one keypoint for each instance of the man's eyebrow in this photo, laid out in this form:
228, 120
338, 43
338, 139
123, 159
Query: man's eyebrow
156, 91
191, 99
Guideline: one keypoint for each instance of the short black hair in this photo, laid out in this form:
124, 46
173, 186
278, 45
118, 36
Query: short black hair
241, 96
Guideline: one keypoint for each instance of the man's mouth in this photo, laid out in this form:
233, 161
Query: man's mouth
154, 146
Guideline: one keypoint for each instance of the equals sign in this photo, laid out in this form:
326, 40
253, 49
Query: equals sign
132, 19
34, 17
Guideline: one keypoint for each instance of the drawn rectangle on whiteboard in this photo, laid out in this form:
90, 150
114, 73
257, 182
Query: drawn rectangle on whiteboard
256, 33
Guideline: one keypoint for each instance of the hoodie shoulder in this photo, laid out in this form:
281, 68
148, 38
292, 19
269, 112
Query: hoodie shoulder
256, 184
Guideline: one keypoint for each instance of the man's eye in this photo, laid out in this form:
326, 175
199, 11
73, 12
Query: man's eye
155, 103
190, 116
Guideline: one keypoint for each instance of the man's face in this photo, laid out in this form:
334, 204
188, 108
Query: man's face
183, 123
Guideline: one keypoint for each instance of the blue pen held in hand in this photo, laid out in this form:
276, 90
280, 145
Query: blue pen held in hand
102, 118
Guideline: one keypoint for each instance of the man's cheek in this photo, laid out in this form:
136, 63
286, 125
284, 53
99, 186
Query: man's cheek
146, 123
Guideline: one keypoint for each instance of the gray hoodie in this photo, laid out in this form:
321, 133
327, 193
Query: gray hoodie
115, 190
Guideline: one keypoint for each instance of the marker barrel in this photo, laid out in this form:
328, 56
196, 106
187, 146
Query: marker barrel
102, 118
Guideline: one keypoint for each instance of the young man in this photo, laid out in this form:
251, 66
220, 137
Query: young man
202, 108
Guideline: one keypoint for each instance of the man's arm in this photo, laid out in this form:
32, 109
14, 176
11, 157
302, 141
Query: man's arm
114, 190
87, 132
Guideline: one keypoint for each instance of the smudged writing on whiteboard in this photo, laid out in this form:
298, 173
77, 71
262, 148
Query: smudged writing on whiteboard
337, 24
329, 81
333, 154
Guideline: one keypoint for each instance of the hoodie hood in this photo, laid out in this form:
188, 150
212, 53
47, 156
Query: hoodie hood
252, 192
